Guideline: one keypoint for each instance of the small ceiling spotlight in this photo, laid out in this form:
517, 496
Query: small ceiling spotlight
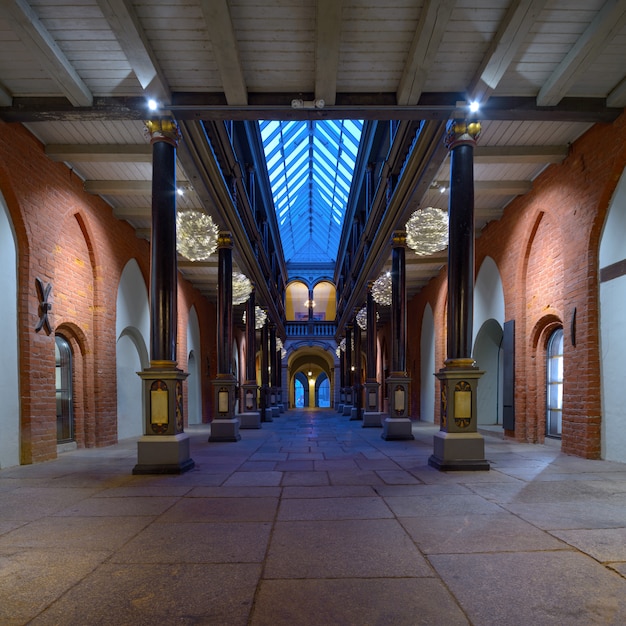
180, 191
153, 105
474, 106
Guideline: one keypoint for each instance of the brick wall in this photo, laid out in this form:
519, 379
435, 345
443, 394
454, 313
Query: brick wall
71, 239
546, 247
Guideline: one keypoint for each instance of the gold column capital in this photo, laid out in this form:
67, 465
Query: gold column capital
462, 131
163, 129
224, 239
398, 239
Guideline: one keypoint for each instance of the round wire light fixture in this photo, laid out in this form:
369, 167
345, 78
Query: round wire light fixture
342, 345
338, 351
381, 289
279, 344
361, 318
260, 317
242, 288
196, 235
427, 231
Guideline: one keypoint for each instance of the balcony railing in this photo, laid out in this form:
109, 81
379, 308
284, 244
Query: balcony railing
311, 329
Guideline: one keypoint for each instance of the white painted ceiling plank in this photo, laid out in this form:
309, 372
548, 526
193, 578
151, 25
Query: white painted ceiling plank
33, 34
607, 23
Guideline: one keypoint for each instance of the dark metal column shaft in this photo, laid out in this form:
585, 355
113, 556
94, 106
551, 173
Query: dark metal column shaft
371, 335
225, 304
398, 302
163, 263
461, 242
251, 339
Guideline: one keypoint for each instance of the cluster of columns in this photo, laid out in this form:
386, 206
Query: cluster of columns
164, 448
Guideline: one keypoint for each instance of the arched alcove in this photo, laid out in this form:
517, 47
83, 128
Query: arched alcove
9, 365
427, 369
612, 328
132, 327
194, 361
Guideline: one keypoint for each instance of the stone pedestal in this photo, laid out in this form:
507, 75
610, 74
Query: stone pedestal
372, 419
225, 426
458, 445
398, 425
250, 417
164, 448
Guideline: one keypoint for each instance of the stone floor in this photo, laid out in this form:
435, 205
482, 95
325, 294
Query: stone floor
314, 520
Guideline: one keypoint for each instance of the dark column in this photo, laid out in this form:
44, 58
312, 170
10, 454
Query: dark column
164, 448
458, 445
266, 409
273, 372
225, 426
250, 416
163, 262
342, 380
356, 382
347, 407
398, 424
371, 414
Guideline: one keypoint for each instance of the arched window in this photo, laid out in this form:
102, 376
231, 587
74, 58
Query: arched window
65, 414
324, 298
554, 384
297, 302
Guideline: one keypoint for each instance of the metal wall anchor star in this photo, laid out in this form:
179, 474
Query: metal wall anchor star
44, 306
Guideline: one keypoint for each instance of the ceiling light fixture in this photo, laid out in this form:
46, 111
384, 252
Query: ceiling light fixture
196, 235
242, 288
260, 317
361, 318
427, 231
381, 289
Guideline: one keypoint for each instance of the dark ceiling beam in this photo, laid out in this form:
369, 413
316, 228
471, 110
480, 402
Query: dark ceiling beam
198, 107
327, 40
121, 16
510, 37
431, 27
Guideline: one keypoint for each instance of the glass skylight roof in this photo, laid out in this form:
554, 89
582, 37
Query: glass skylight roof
310, 167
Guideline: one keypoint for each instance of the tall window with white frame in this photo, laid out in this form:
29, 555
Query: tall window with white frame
65, 417
554, 384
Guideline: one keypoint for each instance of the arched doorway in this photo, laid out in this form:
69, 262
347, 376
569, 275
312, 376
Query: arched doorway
322, 391
310, 369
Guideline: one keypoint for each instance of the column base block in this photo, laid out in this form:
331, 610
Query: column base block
275, 411
373, 419
347, 409
249, 420
340, 409
225, 430
163, 454
281, 408
356, 414
397, 428
459, 452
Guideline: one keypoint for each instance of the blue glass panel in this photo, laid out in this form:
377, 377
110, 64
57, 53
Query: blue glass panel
310, 166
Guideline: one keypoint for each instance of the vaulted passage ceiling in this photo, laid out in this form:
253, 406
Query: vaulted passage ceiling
310, 166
